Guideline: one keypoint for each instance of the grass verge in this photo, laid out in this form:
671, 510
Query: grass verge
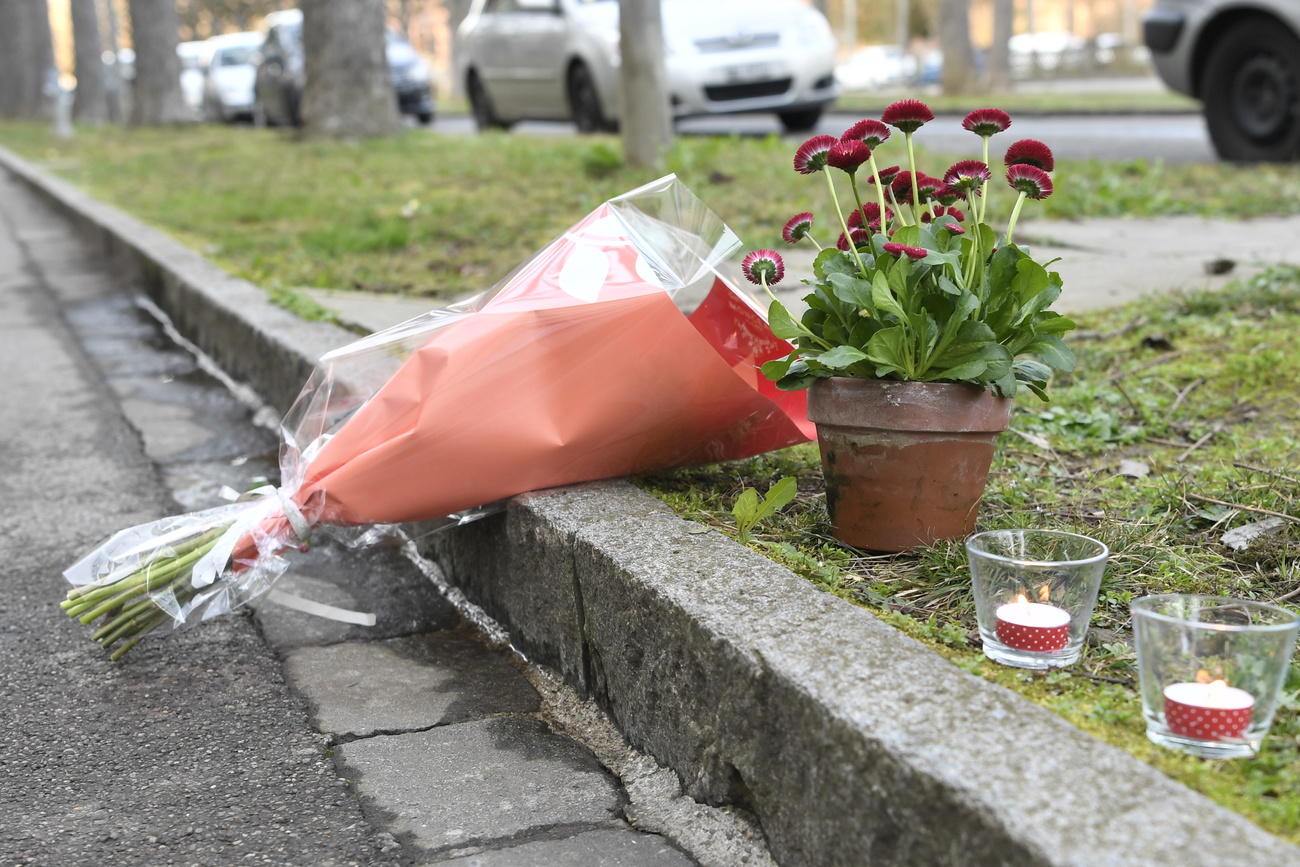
442, 216
1201, 389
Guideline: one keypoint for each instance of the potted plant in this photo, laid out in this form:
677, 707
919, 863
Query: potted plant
922, 326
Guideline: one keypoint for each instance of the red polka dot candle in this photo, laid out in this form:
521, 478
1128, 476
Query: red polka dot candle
1208, 711
1210, 670
1034, 626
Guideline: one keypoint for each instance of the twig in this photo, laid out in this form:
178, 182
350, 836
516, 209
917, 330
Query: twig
1257, 509
1171, 443
1121, 681
1167, 357
1137, 411
1182, 395
1288, 596
1266, 472
1200, 442
1107, 335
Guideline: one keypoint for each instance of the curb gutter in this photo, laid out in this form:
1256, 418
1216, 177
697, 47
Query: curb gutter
851, 743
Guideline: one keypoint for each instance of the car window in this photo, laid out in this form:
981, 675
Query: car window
235, 56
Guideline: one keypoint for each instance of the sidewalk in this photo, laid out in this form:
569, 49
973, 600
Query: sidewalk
1103, 262
418, 744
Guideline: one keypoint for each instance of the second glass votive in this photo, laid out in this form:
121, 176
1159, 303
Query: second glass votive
1034, 594
1211, 670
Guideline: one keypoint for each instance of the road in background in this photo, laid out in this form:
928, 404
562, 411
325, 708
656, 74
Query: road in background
1177, 138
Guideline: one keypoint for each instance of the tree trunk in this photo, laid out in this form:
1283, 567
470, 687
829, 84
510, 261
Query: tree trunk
91, 103
37, 76
646, 120
903, 26
348, 92
113, 74
1004, 13
954, 40
156, 96
13, 65
456, 12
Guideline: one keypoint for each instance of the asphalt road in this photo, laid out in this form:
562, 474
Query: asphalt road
1176, 138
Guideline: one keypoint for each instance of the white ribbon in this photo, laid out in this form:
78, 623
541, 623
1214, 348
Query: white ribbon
320, 609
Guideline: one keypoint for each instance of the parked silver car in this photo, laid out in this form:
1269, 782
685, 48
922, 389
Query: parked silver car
1241, 58
559, 59
229, 75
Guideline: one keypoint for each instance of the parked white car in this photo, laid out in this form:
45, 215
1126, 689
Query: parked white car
229, 76
191, 57
875, 66
559, 59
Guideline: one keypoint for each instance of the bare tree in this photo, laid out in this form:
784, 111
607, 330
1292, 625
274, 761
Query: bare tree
117, 101
1004, 13
91, 103
156, 94
954, 40
26, 58
456, 12
647, 124
13, 19
348, 92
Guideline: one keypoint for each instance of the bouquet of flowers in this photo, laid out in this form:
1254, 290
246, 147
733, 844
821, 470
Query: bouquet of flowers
918, 286
617, 349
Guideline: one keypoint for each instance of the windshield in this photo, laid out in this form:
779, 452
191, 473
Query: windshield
237, 56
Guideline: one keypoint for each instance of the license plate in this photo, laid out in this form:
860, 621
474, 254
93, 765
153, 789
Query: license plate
741, 72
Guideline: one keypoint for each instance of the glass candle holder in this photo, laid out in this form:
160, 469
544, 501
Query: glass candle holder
1034, 594
1211, 670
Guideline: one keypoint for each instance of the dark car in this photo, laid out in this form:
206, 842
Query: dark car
277, 90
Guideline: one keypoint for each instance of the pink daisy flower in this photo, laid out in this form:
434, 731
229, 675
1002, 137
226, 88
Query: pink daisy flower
886, 176
966, 175
797, 227
848, 155
812, 154
954, 228
1030, 152
859, 237
987, 121
870, 131
904, 250
908, 115
763, 267
1030, 180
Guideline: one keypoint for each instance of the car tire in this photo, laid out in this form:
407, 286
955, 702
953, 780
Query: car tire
424, 117
584, 101
1251, 93
800, 121
480, 105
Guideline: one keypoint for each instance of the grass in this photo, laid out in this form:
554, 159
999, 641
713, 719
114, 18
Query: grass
1201, 388
443, 216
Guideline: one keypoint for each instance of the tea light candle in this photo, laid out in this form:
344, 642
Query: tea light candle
1208, 711
1036, 626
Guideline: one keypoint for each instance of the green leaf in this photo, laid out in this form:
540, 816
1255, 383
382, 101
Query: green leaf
777, 367
778, 496
1030, 280
832, 261
1053, 323
882, 298
1053, 351
887, 348
781, 323
841, 357
852, 290
947, 286
962, 372
745, 510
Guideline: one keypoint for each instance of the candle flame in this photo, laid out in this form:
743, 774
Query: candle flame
1022, 599
1203, 676
1044, 593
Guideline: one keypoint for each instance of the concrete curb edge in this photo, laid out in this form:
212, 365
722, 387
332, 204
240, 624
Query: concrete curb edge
850, 742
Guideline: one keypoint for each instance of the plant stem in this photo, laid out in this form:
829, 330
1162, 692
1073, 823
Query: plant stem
880, 192
1015, 216
95, 592
983, 205
898, 212
835, 200
911, 164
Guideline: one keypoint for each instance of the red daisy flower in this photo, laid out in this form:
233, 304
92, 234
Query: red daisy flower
1030, 152
946, 195
908, 115
869, 215
859, 236
987, 121
811, 155
926, 187
886, 176
796, 228
763, 266
905, 250
966, 175
1030, 180
957, 214
848, 155
870, 131
954, 228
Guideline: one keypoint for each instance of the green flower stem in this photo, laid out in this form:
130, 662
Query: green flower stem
880, 190
898, 212
141, 582
984, 188
809, 236
835, 200
911, 164
95, 592
1015, 216
857, 197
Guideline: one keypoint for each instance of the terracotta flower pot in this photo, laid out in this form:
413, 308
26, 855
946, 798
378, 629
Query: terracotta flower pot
905, 462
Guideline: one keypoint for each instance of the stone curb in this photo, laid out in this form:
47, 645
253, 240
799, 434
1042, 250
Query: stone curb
850, 742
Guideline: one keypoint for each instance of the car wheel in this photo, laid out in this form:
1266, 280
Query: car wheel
800, 121
584, 101
485, 115
1251, 93
424, 117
